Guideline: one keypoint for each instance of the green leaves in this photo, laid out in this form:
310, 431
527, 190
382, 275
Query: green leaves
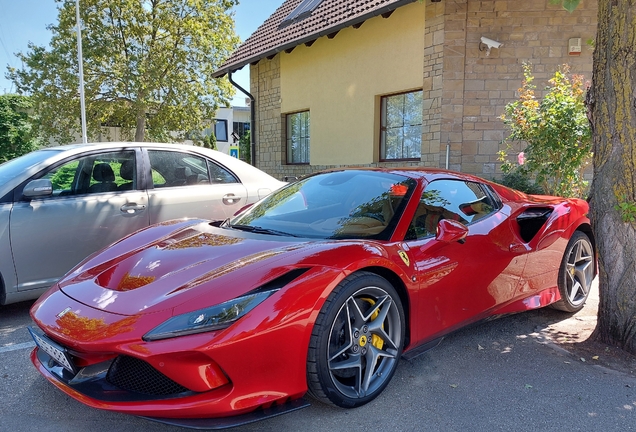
17, 131
568, 5
627, 209
147, 67
556, 130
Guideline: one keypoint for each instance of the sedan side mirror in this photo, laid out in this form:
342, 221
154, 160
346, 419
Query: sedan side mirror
449, 231
38, 188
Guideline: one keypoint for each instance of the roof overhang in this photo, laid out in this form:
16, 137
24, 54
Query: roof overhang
308, 39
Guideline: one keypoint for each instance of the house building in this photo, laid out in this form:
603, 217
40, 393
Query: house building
400, 82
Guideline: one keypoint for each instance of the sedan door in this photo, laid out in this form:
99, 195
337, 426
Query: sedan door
189, 185
95, 202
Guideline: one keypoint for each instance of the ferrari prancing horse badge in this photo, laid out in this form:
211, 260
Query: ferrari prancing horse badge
404, 257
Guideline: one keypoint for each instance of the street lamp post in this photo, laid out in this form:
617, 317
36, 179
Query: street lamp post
81, 72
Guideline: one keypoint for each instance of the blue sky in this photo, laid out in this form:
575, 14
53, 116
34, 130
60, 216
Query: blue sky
24, 21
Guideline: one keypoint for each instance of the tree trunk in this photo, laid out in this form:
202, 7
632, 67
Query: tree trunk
612, 112
140, 132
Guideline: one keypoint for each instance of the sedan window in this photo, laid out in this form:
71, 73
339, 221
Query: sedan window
219, 174
170, 169
105, 172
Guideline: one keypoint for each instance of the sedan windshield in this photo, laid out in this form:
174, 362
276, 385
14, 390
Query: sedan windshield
340, 204
17, 166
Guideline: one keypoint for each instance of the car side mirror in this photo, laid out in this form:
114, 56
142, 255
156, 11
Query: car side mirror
449, 231
38, 188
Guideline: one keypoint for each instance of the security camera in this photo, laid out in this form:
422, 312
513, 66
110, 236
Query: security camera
486, 44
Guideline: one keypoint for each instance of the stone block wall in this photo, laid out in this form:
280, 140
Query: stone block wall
536, 32
434, 36
265, 87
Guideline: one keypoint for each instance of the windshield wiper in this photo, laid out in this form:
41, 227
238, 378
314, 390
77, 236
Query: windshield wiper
261, 230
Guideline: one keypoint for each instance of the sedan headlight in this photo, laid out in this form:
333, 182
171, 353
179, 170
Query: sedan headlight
213, 318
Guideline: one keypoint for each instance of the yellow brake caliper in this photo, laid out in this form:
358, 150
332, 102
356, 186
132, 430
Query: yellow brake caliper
376, 340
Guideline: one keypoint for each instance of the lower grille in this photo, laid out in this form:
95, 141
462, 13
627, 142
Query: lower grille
132, 374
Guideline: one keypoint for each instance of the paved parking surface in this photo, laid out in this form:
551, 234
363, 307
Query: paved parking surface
500, 375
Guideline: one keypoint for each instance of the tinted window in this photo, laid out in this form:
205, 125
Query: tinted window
465, 202
104, 172
219, 174
170, 169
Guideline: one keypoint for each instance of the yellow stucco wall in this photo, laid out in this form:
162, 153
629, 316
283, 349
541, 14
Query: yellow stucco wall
340, 81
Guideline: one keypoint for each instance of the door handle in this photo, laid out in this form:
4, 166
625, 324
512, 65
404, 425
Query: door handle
230, 199
132, 208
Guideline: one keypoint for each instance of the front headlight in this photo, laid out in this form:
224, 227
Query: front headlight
213, 318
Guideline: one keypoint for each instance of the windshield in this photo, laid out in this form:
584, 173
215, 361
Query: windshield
341, 204
17, 166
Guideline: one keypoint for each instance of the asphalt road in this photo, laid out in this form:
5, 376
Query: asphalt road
497, 376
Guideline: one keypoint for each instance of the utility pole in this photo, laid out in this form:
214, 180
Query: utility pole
81, 72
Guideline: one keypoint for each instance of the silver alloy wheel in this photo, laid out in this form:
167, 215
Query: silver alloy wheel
364, 343
579, 272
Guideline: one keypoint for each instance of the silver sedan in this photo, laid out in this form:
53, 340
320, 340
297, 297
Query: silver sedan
58, 205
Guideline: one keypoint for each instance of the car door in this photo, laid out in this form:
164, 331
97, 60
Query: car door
189, 185
95, 202
460, 281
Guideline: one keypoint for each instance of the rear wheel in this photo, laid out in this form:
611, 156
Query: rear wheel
356, 342
576, 273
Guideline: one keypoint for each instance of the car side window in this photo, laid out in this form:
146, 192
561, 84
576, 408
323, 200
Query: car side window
462, 201
96, 173
175, 169
218, 174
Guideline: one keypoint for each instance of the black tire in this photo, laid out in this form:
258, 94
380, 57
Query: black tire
356, 342
576, 273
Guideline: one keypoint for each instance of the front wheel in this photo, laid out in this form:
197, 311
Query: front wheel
576, 273
356, 342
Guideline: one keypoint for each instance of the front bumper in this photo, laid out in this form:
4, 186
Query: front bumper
221, 374
90, 386
257, 364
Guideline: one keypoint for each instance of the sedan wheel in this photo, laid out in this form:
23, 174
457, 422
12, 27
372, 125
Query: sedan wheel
576, 273
356, 342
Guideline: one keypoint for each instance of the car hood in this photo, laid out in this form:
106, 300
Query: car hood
190, 261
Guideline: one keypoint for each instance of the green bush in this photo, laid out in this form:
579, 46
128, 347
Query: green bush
557, 133
245, 147
520, 182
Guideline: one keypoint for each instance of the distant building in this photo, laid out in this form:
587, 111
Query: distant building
227, 121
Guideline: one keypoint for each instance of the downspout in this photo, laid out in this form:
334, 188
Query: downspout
252, 118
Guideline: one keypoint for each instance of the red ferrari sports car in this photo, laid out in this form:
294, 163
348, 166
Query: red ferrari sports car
319, 288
